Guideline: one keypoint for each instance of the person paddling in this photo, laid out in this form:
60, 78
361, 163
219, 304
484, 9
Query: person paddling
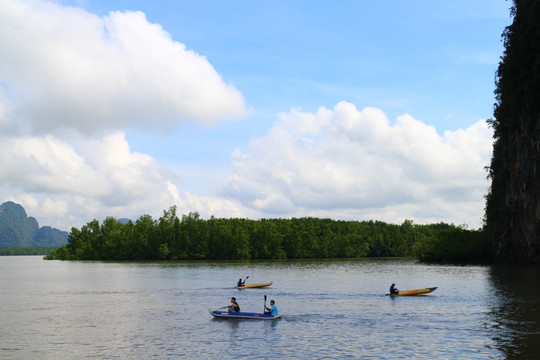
240, 282
272, 310
393, 289
234, 307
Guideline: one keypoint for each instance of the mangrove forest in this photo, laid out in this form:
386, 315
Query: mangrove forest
193, 238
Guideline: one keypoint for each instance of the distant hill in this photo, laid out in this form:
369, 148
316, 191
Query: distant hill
19, 230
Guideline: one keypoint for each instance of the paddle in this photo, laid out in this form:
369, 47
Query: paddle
264, 310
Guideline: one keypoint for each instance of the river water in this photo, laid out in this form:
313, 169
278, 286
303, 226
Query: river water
332, 309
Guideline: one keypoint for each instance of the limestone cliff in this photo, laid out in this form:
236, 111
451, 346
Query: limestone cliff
513, 203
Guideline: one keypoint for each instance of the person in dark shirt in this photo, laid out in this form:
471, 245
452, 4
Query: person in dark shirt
240, 283
393, 289
234, 307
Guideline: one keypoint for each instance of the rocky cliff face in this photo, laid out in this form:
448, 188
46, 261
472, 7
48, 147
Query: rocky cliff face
513, 203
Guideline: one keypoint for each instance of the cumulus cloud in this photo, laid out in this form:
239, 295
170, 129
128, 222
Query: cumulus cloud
72, 83
65, 68
69, 183
219, 207
349, 163
66, 183
341, 163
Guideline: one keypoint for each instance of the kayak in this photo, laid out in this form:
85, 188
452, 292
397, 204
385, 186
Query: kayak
414, 292
259, 285
242, 315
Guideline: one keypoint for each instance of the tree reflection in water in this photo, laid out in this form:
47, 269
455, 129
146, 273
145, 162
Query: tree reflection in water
515, 315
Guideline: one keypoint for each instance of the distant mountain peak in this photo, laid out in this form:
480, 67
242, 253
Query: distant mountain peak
17, 229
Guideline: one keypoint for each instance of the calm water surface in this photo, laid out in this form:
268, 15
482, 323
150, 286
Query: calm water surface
331, 310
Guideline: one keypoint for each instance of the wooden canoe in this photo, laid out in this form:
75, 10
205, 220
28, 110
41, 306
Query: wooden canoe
414, 292
259, 285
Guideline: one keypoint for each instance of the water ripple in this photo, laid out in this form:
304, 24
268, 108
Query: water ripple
331, 310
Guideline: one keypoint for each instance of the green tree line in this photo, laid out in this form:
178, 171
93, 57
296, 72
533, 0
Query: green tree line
6, 251
190, 238
455, 245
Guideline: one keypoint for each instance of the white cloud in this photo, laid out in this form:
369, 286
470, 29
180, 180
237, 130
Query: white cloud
340, 163
208, 206
66, 74
345, 163
71, 83
65, 185
64, 68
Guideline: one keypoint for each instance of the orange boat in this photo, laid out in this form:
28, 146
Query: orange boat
259, 285
414, 292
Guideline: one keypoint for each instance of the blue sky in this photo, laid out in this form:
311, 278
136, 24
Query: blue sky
350, 110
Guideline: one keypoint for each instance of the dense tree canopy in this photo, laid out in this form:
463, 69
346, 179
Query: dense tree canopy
191, 237
26, 250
